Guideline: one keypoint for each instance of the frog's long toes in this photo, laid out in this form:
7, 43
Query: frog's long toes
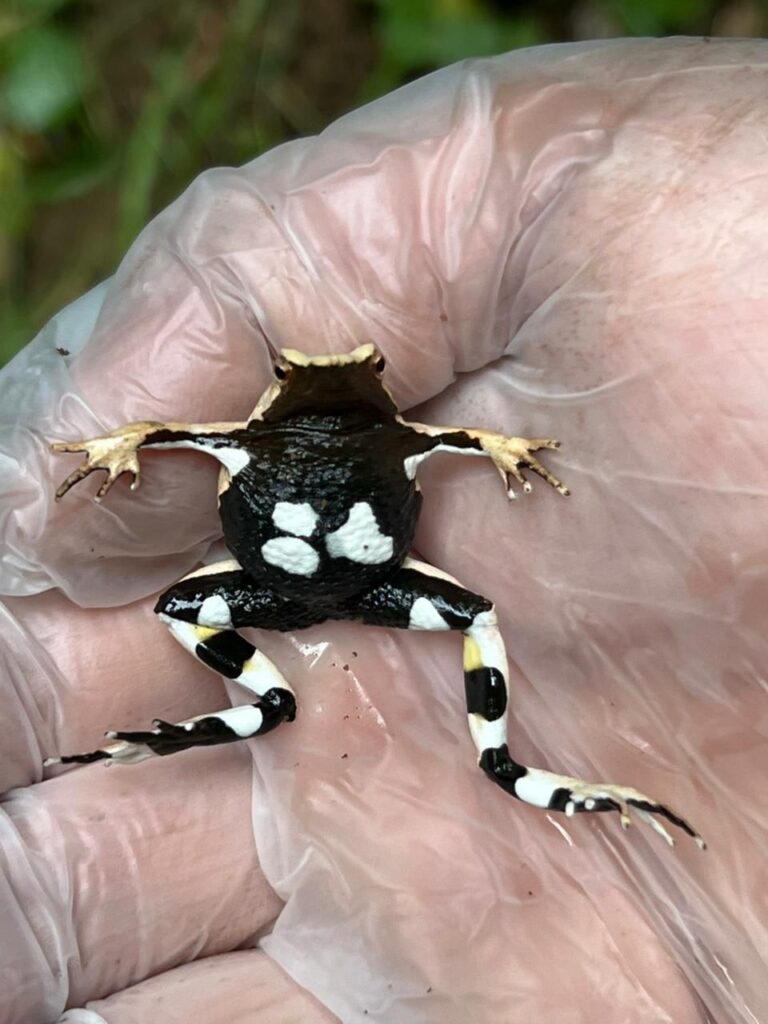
123, 752
573, 796
657, 827
159, 738
646, 809
133, 737
608, 797
89, 758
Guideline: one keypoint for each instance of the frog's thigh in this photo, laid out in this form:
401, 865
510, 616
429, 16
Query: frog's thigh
203, 611
418, 596
421, 597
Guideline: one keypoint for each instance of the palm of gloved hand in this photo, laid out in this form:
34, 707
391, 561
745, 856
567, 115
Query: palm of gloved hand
370, 817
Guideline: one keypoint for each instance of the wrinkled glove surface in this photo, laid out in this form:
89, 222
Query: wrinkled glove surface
570, 241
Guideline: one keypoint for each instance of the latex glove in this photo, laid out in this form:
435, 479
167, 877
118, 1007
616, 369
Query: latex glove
583, 227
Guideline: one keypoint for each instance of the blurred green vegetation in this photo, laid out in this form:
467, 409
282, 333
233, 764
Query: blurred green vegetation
107, 111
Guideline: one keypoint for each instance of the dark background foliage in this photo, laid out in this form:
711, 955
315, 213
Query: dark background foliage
108, 110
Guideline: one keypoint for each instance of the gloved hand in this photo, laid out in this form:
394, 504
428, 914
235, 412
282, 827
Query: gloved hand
559, 242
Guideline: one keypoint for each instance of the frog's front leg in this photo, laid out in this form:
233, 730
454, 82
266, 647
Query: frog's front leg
202, 611
117, 453
421, 597
510, 455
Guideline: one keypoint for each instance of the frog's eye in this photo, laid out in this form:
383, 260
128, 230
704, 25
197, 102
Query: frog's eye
280, 372
380, 364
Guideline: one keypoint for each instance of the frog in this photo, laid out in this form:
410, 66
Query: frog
319, 500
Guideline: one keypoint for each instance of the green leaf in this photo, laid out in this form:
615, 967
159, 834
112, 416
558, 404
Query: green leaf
43, 79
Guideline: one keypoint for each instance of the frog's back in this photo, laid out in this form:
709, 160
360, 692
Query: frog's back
319, 514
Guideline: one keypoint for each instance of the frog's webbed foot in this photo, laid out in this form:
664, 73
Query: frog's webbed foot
573, 796
512, 455
116, 453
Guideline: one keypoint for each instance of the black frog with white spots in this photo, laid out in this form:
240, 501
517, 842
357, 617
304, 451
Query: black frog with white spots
319, 503
313, 516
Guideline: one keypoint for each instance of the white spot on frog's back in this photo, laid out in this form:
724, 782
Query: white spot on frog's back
360, 539
300, 520
291, 554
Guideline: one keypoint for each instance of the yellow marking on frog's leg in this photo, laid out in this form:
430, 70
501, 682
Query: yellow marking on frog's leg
486, 684
225, 651
472, 657
212, 638
203, 633
418, 596
206, 632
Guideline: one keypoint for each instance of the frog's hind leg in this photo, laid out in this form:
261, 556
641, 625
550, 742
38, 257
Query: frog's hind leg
202, 611
422, 597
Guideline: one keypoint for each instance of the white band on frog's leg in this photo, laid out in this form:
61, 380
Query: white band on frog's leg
211, 637
226, 726
426, 598
485, 681
485, 673
225, 651
276, 705
229, 654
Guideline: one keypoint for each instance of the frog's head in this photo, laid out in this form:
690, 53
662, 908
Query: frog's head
307, 385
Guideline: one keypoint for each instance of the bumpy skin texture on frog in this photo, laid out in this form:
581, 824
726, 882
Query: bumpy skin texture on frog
597, 213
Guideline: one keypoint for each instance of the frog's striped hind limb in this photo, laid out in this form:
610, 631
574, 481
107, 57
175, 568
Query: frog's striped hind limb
421, 597
201, 611
164, 738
